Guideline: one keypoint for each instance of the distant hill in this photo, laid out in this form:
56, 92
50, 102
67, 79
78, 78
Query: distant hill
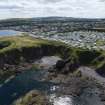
39, 19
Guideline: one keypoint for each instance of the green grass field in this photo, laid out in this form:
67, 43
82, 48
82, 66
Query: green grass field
25, 41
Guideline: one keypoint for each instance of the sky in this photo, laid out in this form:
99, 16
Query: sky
45, 8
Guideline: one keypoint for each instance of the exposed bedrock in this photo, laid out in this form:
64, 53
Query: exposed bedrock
77, 59
30, 54
66, 66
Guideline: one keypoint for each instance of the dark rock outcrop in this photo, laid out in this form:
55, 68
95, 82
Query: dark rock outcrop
101, 70
66, 66
60, 64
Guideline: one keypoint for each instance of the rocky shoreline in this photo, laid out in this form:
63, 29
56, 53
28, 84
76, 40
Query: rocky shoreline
68, 87
64, 72
65, 79
74, 83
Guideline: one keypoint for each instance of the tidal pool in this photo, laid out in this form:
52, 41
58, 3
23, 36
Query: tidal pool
21, 84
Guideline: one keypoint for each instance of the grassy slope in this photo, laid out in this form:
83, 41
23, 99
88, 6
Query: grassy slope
25, 41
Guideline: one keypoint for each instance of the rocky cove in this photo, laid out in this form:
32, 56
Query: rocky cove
57, 84
58, 90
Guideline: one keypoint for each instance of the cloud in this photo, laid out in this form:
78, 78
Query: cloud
9, 7
102, 0
48, 1
42, 8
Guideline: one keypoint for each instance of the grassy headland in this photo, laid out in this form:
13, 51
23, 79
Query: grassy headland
18, 49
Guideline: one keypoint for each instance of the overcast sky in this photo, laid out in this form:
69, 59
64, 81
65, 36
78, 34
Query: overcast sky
42, 8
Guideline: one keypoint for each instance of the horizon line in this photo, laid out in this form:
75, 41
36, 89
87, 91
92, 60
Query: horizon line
51, 17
